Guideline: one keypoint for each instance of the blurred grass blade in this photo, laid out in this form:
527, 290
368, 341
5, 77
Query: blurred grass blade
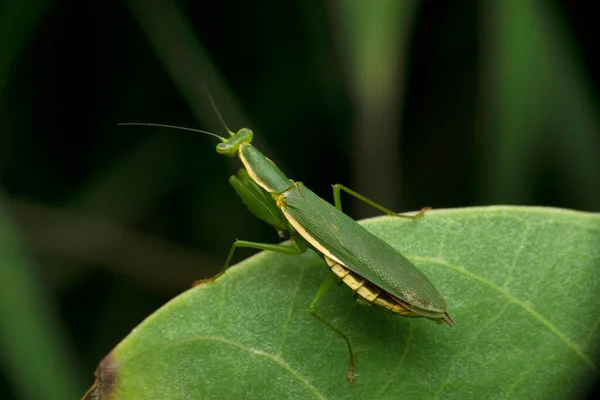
516, 60
187, 61
152, 165
537, 105
574, 116
36, 356
374, 37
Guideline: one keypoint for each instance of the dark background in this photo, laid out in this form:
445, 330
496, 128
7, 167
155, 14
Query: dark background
410, 103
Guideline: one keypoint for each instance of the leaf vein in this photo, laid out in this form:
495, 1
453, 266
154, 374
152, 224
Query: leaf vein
275, 358
514, 299
516, 257
391, 377
290, 310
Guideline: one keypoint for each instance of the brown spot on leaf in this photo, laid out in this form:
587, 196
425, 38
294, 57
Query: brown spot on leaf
103, 387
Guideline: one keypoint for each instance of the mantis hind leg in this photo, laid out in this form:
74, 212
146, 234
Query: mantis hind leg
278, 248
338, 203
325, 285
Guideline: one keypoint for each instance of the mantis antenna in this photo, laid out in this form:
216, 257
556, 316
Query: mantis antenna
170, 127
214, 106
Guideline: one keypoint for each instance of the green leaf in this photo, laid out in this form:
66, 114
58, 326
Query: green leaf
520, 282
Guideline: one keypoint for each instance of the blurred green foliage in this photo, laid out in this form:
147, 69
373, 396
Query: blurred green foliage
411, 103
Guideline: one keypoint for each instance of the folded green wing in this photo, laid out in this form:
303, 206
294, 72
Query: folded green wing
361, 251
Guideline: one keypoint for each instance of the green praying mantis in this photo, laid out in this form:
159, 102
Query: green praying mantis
373, 269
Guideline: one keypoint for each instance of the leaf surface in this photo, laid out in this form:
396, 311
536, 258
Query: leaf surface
520, 282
